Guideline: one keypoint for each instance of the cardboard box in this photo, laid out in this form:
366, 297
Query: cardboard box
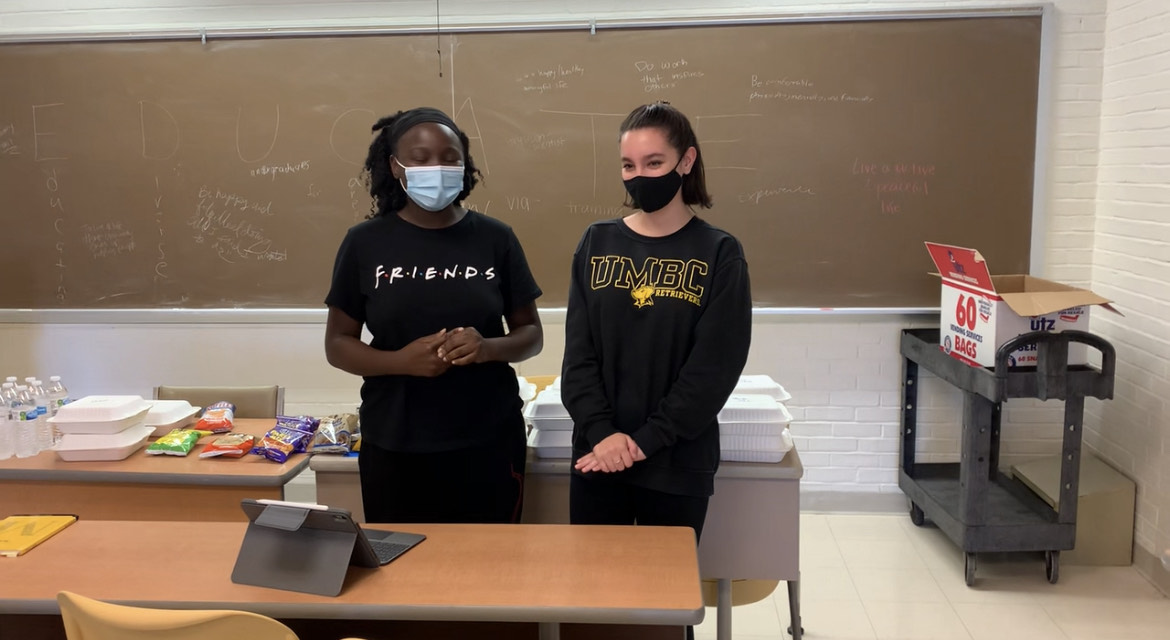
980, 311
1105, 506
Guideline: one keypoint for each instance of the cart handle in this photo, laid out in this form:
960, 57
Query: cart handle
1052, 350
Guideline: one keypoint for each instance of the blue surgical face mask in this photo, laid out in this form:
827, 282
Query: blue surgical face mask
433, 187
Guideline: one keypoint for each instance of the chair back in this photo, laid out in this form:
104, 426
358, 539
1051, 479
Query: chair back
251, 402
88, 619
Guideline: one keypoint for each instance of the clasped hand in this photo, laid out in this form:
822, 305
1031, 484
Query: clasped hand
432, 355
617, 452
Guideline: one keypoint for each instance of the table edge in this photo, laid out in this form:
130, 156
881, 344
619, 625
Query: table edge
328, 610
130, 477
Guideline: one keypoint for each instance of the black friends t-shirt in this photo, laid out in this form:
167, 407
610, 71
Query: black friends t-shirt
404, 282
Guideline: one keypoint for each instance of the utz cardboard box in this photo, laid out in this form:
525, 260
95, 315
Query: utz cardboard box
981, 311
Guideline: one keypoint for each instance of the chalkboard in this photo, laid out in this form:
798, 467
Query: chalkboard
178, 174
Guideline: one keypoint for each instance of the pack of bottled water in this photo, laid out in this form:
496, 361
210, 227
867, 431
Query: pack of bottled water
25, 410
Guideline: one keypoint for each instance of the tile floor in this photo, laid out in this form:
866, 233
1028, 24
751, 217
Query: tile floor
879, 577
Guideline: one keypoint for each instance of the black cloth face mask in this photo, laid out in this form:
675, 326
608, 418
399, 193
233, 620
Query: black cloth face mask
652, 193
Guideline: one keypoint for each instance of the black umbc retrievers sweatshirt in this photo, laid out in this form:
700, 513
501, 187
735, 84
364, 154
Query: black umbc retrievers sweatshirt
657, 334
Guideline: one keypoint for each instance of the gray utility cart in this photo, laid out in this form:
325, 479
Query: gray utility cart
976, 505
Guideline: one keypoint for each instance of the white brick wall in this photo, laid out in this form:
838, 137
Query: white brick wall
1131, 259
844, 372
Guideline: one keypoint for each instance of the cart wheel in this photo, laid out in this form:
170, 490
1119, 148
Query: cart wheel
969, 569
916, 515
1052, 566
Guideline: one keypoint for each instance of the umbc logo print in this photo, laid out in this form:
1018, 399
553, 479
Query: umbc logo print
657, 278
947, 345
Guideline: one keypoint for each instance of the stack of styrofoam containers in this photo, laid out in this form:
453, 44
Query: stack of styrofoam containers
551, 432
753, 425
101, 428
527, 389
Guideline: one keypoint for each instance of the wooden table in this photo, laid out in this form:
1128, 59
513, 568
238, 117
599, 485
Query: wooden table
536, 574
752, 529
146, 487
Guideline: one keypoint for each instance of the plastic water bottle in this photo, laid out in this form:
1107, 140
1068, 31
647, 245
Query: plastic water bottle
58, 395
44, 429
24, 416
7, 428
37, 394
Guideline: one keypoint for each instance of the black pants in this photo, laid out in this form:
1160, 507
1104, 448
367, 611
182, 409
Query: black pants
481, 484
604, 501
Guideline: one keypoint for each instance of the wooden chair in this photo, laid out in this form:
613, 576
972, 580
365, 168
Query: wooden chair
251, 402
88, 619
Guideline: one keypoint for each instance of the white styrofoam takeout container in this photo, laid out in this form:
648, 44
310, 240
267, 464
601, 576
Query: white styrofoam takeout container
166, 415
100, 414
80, 447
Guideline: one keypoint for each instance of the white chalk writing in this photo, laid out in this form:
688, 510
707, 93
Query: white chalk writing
42, 150
519, 203
280, 169
161, 265
658, 76
231, 235
271, 146
355, 188
355, 129
892, 182
467, 204
53, 185
596, 210
754, 197
107, 239
158, 151
786, 89
235, 201
784, 96
549, 78
781, 82
538, 141
8, 146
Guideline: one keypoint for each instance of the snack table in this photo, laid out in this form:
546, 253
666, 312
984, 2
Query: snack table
147, 487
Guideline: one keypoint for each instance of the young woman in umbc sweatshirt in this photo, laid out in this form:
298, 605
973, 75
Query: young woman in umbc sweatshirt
657, 334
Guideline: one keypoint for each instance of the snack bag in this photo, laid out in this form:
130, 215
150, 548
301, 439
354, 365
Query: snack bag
232, 445
217, 418
281, 441
304, 423
300, 423
178, 442
334, 435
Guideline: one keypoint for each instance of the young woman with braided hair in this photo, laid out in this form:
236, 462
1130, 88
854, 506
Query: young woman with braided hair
435, 284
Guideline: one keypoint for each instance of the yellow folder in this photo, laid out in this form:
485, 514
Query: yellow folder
18, 534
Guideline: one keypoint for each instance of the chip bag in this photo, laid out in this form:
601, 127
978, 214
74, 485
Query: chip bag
178, 442
232, 445
217, 418
281, 442
334, 434
304, 423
